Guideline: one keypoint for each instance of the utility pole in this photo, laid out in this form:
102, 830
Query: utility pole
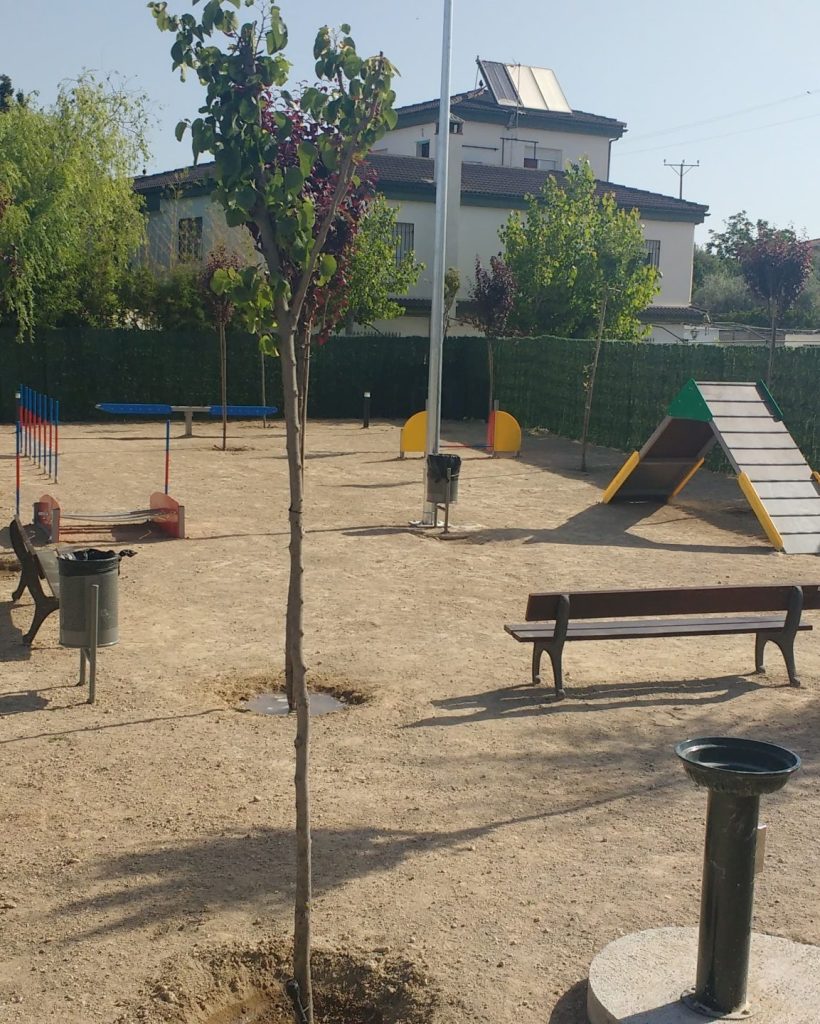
430, 512
681, 169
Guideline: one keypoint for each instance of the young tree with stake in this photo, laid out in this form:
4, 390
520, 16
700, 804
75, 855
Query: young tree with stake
263, 167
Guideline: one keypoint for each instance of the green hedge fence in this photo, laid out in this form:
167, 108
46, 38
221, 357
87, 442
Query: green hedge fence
538, 380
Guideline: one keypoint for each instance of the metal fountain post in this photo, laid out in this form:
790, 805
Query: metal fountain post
736, 772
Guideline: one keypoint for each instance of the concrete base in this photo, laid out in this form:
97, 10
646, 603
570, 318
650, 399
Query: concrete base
639, 980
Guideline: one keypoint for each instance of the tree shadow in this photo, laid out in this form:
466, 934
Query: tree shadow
100, 728
189, 880
525, 701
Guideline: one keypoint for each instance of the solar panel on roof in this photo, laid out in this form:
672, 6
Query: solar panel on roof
498, 80
514, 85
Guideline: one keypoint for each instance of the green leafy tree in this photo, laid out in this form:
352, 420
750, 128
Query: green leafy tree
284, 166
71, 221
776, 267
738, 231
377, 276
8, 96
555, 252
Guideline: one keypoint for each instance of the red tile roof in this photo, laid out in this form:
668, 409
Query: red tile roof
479, 182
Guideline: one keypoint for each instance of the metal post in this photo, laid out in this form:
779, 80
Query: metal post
727, 899
366, 412
17, 468
93, 614
167, 453
440, 259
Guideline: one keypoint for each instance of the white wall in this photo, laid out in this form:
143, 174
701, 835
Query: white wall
677, 240
163, 226
572, 146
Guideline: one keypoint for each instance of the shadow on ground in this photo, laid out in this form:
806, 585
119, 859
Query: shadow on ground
525, 701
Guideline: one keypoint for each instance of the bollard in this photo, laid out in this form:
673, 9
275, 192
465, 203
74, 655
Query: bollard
366, 412
736, 772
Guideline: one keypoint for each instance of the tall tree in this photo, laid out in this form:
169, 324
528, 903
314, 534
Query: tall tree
378, 274
554, 252
71, 221
492, 294
776, 267
265, 169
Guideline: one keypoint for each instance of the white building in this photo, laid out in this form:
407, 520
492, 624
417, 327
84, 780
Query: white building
505, 138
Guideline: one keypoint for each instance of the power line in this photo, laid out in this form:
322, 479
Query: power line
723, 135
722, 117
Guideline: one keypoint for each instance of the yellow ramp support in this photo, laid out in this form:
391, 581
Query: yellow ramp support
687, 478
414, 435
506, 433
763, 516
620, 476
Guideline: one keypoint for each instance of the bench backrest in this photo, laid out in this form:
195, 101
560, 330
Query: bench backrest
19, 540
603, 604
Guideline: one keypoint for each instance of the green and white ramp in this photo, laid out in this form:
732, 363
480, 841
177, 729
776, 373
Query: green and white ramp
744, 419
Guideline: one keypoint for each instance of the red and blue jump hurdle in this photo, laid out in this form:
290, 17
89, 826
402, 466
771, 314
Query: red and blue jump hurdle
38, 416
37, 433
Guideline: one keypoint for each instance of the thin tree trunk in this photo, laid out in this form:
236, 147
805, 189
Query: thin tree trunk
591, 383
772, 343
295, 661
223, 374
264, 386
491, 370
294, 591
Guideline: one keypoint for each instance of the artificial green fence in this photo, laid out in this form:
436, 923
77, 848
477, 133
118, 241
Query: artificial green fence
538, 380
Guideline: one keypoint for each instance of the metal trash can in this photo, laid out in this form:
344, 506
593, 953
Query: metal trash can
437, 467
79, 571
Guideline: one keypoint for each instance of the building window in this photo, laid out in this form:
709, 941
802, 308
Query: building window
189, 239
405, 240
544, 160
653, 252
423, 148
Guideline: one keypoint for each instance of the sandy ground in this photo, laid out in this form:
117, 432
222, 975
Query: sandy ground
461, 818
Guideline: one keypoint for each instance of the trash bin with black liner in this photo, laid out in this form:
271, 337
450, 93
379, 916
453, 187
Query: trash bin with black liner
80, 570
438, 467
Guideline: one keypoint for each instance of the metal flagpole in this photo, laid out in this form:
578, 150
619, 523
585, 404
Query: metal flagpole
430, 513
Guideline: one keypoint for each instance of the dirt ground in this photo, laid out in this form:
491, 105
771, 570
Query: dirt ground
463, 820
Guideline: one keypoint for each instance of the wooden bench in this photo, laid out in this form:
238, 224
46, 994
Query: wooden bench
772, 613
36, 568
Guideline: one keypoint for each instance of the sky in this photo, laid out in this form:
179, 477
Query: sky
733, 84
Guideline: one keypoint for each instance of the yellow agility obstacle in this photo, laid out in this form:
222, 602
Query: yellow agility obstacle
503, 436
746, 422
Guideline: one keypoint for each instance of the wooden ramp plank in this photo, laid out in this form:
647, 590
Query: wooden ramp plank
759, 439
757, 473
749, 409
786, 489
745, 424
802, 544
780, 506
769, 457
729, 392
797, 524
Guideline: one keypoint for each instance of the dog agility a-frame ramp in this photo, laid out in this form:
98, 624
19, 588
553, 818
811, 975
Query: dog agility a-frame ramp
747, 423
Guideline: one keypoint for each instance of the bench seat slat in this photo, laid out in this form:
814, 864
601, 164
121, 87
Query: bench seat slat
634, 629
